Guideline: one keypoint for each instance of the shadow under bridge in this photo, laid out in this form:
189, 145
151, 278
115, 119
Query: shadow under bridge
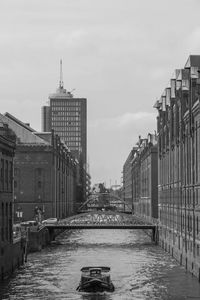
105, 220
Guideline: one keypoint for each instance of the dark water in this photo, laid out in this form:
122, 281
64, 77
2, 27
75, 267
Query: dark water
139, 269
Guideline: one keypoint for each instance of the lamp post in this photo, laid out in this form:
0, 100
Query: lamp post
19, 214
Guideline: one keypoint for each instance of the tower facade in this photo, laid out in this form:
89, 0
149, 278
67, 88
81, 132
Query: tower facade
67, 116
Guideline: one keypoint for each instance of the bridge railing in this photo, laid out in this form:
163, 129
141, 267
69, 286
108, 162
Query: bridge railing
148, 219
107, 217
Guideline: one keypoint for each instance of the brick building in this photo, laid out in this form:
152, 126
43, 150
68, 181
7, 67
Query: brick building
145, 177
11, 253
88, 185
179, 165
128, 179
141, 178
44, 173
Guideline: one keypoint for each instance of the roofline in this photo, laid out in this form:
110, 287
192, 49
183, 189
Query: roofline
8, 115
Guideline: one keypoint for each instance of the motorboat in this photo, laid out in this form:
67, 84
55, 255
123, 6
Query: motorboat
50, 221
95, 279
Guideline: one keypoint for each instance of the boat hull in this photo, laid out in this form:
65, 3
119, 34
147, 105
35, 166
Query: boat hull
95, 285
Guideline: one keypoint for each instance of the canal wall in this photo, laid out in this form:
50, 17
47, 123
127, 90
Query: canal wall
38, 238
184, 250
13, 257
181, 249
15, 254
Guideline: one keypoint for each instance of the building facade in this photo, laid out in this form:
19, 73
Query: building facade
145, 178
88, 184
148, 156
67, 116
45, 180
141, 178
44, 174
179, 165
11, 252
46, 121
128, 179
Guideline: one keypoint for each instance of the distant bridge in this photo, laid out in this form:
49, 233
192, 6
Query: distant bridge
104, 220
109, 201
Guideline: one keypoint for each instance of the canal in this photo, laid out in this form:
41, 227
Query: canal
139, 269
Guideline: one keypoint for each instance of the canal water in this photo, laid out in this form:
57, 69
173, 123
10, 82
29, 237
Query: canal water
139, 269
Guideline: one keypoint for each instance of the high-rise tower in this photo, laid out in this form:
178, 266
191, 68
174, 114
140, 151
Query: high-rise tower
67, 116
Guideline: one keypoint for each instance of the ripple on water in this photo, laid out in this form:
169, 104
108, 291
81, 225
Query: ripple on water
139, 269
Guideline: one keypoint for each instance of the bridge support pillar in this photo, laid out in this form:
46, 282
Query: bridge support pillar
155, 235
51, 234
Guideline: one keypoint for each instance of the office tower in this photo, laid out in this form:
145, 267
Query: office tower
46, 123
67, 116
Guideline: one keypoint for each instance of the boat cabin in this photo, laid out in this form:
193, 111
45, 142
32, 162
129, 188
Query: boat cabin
95, 272
95, 279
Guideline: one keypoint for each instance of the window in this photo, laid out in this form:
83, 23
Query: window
2, 214
2, 233
10, 175
39, 172
197, 250
2, 174
39, 184
6, 175
6, 209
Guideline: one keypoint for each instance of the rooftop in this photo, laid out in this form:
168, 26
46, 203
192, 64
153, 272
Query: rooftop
193, 61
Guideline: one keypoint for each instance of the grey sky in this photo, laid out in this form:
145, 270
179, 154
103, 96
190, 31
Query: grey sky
119, 54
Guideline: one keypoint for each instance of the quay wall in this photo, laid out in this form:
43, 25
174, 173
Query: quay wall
180, 248
40, 238
14, 256
177, 246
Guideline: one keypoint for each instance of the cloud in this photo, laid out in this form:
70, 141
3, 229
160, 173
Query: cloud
120, 57
193, 41
123, 122
71, 39
110, 141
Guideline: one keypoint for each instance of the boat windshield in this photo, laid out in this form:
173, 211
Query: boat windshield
94, 272
102, 269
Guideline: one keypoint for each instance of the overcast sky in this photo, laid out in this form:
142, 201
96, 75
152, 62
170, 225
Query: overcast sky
119, 54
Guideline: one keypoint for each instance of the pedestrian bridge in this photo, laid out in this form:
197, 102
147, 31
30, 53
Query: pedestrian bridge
104, 220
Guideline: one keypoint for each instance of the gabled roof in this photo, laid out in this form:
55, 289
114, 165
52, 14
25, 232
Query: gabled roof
24, 133
193, 61
8, 115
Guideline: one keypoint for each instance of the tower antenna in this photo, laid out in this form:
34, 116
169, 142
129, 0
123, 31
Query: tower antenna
61, 76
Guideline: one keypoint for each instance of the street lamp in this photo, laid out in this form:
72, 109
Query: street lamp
19, 214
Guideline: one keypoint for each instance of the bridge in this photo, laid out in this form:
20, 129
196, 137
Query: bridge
104, 220
105, 200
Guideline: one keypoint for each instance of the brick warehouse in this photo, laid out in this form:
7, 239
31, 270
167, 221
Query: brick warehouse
11, 251
44, 173
140, 178
128, 179
178, 126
